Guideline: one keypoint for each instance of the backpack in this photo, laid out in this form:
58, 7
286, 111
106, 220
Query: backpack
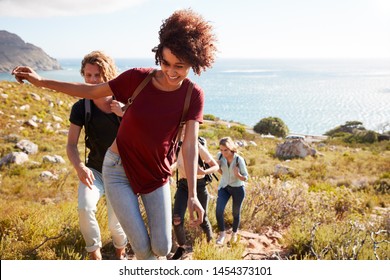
237, 164
202, 164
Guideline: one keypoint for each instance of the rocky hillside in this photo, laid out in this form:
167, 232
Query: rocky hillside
14, 51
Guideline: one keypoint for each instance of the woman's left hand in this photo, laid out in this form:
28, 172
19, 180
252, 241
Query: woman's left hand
195, 206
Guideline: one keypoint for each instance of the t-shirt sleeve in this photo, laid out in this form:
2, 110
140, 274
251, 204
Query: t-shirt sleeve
77, 114
120, 86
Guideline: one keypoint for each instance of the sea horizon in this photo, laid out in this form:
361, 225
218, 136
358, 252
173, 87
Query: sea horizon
312, 96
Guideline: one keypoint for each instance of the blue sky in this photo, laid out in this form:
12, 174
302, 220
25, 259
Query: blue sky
245, 29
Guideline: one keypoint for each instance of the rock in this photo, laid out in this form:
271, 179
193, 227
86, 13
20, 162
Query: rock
14, 157
35, 96
12, 138
35, 119
282, 170
53, 159
24, 107
27, 146
31, 123
252, 143
57, 119
294, 148
47, 175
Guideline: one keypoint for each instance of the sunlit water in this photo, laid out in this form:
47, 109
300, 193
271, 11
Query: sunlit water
310, 96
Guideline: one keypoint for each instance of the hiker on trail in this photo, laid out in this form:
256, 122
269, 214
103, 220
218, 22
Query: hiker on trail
207, 165
101, 126
137, 165
232, 184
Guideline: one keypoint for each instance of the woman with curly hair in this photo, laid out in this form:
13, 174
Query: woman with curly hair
137, 165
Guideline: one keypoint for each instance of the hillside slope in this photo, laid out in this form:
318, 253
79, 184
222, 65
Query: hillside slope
14, 51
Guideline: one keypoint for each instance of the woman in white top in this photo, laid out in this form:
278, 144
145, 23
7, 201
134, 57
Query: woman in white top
232, 184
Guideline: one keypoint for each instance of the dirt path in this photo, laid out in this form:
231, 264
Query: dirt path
265, 246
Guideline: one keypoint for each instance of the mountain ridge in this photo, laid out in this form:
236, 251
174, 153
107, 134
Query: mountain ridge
14, 51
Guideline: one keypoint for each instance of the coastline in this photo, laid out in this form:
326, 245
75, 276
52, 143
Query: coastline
310, 96
310, 138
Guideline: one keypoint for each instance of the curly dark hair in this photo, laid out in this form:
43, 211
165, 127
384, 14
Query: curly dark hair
190, 38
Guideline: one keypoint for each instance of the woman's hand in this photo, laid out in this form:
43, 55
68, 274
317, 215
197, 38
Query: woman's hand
194, 205
22, 73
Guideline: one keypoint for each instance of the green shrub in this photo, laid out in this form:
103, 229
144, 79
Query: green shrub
209, 117
272, 125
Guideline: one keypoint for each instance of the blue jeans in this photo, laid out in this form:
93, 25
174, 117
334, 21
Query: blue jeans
87, 207
224, 194
126, 206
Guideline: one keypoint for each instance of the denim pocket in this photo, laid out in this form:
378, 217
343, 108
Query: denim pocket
111, 159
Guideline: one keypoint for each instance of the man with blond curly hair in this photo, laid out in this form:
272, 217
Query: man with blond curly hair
100, 129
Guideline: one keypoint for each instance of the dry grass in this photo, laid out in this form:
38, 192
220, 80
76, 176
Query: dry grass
333, 206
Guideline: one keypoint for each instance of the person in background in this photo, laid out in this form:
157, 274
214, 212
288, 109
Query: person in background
100, 131
232, 184
206, 165
137, 165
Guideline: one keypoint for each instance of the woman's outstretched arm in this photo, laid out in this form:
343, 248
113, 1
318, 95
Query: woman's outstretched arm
24, 73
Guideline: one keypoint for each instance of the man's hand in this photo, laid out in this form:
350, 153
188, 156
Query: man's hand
85, 176
116, 108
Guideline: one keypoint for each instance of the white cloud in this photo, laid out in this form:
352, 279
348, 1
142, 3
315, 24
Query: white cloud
50, 8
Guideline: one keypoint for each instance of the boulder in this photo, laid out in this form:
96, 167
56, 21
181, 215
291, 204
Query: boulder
53, 159
27, 146
14, 157
296, 148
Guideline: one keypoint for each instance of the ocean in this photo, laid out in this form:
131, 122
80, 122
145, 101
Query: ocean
310, 96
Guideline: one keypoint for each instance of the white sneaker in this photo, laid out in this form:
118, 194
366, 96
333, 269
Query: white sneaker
234, 237
220, 239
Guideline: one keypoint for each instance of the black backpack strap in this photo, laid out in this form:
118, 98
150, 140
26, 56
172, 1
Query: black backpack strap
87, 105
201, 163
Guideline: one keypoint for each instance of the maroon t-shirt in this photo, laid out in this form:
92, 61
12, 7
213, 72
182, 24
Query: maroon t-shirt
149, 127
